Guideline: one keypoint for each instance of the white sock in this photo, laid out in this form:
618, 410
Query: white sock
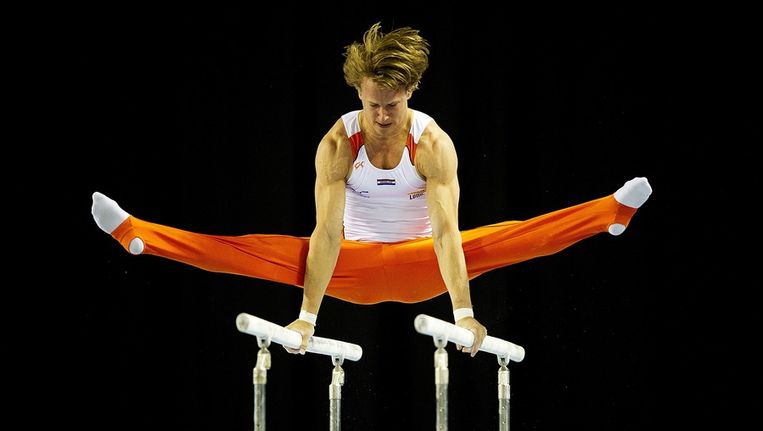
107, 214
616, 229
632, 194
136, 246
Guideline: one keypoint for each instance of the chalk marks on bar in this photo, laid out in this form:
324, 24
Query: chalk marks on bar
266, 330
437, 328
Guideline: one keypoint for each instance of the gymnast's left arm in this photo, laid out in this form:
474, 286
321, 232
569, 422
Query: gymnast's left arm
437, 162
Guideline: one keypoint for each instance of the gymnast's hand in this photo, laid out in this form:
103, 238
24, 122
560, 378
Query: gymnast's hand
479, 331
306, 329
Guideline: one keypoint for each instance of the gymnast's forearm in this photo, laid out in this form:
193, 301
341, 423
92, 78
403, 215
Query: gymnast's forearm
450, 258
321, 261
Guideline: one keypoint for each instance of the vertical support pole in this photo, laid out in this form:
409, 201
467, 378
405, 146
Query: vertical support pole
504, 394
260, 379
335, 394
441, 383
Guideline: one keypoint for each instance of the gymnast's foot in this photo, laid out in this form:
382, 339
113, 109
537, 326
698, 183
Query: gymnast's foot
108, 216
632, 194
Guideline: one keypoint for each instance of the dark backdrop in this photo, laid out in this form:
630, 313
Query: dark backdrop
207, 120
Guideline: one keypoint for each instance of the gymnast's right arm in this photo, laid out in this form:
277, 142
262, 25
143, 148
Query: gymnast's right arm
333, 161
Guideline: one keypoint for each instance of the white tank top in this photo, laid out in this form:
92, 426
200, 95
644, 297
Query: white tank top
385, 205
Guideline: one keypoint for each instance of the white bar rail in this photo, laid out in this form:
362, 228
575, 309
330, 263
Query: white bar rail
429, 325
264, 329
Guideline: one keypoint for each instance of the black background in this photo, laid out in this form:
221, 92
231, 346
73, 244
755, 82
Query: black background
207, 120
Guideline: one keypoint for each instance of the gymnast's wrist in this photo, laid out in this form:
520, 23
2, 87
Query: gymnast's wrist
308, 317
460, 313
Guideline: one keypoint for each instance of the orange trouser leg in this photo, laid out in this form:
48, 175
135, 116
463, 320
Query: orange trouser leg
369, 273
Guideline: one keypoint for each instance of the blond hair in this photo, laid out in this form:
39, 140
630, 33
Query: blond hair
395, 60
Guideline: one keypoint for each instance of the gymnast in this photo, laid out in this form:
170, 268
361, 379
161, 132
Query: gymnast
386, 197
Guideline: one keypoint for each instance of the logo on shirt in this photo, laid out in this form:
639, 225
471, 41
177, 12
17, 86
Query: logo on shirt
359, 164
415, 195
385, 181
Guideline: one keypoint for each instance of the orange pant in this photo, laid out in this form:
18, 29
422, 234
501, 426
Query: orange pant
369, 272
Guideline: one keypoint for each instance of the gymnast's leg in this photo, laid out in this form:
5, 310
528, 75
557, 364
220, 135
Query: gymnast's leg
278, 258
409, 268
502, 244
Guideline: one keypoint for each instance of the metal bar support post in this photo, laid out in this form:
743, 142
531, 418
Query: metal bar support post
260, 379
335, 394
441, 382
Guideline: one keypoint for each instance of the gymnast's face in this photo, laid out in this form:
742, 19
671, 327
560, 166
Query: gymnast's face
384, 110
